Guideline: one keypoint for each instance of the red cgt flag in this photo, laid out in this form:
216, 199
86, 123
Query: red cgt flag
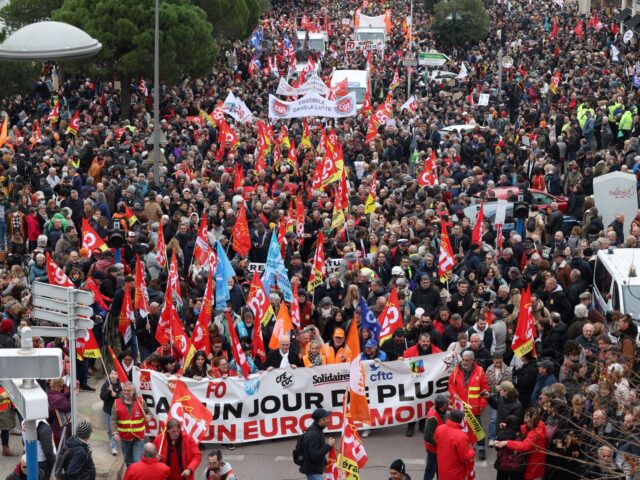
236, 347
524, 335
117, 366
390, 318
201, 250
90, 239
55, 274
241, 240
126, 316
141, 298
194, 417
200, 335
476, 235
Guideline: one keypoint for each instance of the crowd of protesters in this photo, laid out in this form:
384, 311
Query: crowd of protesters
568, 113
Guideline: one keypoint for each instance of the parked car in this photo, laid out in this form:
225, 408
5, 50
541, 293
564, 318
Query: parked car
540, 199
491, 208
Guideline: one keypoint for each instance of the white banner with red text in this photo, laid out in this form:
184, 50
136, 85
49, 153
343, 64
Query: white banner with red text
279, 403
313, 105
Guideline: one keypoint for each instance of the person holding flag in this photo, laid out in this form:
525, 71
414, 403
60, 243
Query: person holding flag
111, 389
469, 384
179, 451
129, 417
315, 447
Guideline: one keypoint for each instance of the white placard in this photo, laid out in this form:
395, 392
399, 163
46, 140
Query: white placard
483, 101
501, 212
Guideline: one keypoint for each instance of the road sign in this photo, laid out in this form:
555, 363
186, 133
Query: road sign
507, 61
69, 307
63, 318
57, 331
32, 403
432, 59
82, 297
410, 60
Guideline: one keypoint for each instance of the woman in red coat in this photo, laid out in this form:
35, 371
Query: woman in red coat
179, 451
453, 449
534, 443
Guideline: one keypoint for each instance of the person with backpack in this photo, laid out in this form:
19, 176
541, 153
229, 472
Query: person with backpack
312, 448
74, 459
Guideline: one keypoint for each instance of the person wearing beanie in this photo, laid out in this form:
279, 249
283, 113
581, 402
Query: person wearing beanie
315, 447
79, 463
453, 449
6, 334
398, 471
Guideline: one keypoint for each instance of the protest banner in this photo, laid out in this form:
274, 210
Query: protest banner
313, 105
312, 85
279, 403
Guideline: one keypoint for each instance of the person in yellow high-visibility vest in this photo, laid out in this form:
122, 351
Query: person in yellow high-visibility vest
7, 422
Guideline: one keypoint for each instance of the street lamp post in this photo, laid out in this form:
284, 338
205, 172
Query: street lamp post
452, 17
156, 98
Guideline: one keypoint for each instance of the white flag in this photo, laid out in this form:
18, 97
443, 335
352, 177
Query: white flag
464, 73
615, 54
236, 108
410, 104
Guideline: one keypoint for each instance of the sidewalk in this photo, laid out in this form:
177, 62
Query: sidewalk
89, 408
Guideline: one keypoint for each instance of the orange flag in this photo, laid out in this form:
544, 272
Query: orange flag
241, 242
353, 341
4, 134
283, 326
357, 395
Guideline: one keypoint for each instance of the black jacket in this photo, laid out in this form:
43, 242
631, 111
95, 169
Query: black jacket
274, 358
105, 394
315, 451
80, 464
506, 408
525, 382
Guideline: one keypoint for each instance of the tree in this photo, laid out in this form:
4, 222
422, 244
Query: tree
460, 21
18, 13
126, 30
232, 19
18, 77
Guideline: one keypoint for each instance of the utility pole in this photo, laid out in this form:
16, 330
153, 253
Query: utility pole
499, 35
156, 98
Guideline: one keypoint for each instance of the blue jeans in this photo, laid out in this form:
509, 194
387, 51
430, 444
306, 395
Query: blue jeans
3, 231
315, 476
107, 422
131, 451
493, 418
431, 469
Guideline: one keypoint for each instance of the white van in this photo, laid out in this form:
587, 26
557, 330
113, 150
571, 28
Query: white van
371, 34
357, 81
616, 284
317, 41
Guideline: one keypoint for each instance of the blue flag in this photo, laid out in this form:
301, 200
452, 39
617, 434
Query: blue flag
224, 271
635, 81
369, 320
275, 271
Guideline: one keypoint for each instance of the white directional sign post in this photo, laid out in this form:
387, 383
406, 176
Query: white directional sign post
19, 368
70, 308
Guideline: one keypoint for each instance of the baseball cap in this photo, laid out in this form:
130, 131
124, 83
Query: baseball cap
320, 413
338, 332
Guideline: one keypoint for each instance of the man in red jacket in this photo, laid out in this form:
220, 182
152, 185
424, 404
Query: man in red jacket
469, 383
179, 451
453, 450
149, 467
